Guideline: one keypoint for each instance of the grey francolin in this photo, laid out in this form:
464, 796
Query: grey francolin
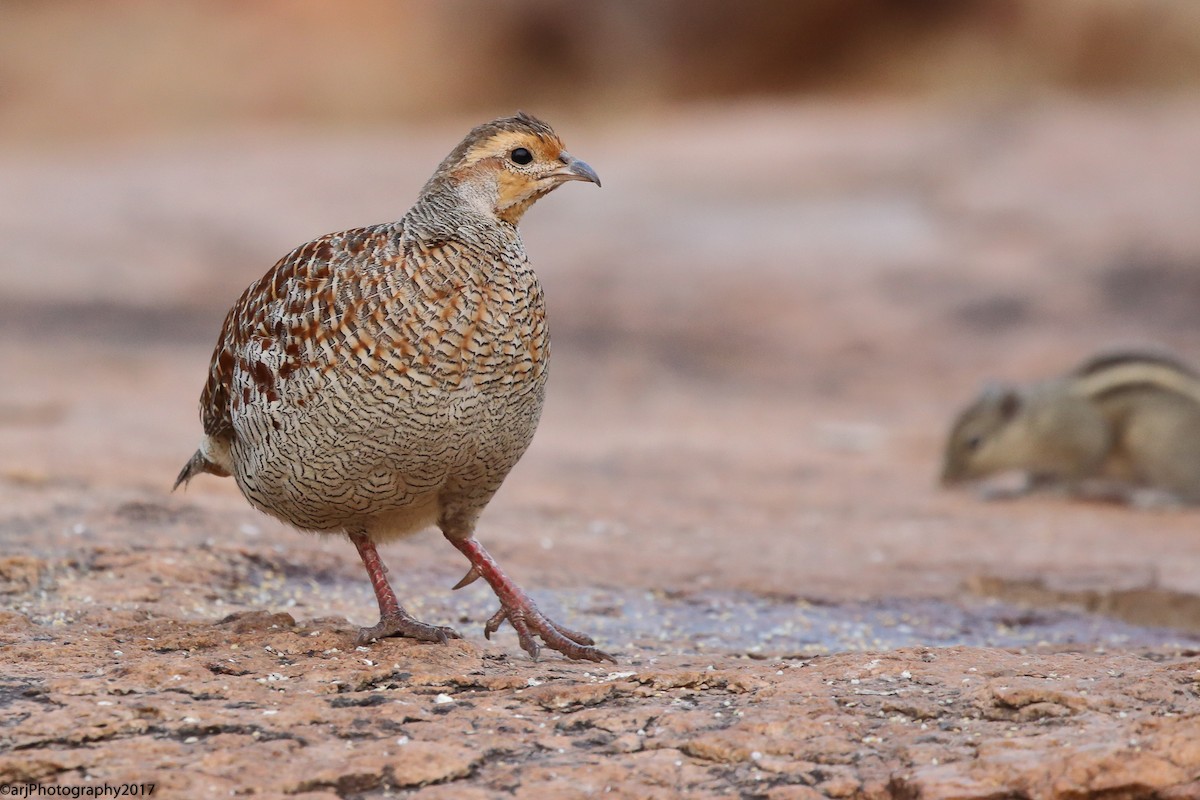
384, 379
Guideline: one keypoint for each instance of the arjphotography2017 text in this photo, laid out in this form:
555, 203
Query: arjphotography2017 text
32, 789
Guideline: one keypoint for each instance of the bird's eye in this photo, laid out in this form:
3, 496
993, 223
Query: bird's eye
521, 156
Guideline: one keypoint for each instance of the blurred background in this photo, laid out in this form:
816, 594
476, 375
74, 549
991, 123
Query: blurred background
824, 224
118, 68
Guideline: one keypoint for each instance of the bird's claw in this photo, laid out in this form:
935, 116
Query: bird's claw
472, 575
403, 624
529, 622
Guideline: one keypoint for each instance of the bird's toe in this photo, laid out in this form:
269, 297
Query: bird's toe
531, 625
404, 625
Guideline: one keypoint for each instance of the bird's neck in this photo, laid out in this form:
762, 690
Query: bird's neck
462, 213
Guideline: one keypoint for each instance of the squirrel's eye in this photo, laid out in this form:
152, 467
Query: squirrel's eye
974, 442
521, 156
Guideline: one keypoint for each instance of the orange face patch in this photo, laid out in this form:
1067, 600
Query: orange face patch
517, 185
544, 149
517, 190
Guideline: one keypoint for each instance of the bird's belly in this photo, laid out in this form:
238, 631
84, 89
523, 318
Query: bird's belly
340, 458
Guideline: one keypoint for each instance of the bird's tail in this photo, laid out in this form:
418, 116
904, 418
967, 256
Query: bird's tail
196, 464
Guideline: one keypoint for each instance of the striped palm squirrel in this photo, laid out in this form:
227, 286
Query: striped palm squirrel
1129, 418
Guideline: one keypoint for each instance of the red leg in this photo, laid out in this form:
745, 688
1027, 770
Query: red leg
393, 619
518, 609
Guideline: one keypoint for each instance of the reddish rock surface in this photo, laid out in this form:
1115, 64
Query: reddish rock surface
762, 325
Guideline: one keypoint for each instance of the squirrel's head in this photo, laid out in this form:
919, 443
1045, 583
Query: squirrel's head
969, 450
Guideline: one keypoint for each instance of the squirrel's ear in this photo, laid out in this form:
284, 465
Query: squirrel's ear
1005, 398
1010, 404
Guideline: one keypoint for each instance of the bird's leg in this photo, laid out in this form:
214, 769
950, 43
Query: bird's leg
393, 619
519, 610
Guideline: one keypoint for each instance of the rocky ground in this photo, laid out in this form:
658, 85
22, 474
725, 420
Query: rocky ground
763, 325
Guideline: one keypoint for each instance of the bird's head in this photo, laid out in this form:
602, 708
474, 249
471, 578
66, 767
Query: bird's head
504, 166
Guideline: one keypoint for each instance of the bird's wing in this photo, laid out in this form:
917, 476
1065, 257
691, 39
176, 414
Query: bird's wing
300, 299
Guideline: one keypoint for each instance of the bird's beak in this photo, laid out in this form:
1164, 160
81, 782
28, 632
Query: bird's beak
575, 170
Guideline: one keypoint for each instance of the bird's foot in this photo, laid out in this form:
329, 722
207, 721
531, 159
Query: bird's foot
393, 619
401, 623
519, 610
528, 622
